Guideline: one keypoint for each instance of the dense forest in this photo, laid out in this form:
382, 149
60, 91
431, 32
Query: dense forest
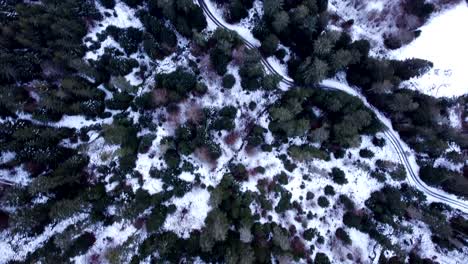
97, 136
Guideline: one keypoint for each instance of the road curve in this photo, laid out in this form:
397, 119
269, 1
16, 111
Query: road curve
432, 193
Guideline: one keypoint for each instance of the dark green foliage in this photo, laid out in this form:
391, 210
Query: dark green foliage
399, 173
172, 158
256, 137
366, 153
385, 204
419, 8
128, 38
171, 87
321, 258
145, 143
120, 101
122, 132
184, 15
329, 190
81, 244
379, 176
283, 178
269, 44
235, 10
156, 218
341, 234
338, 176
108, 3
310, 233
411, 67
251, 71
285, 202
346, 114
347, 203
435, 176
306, 152
225, 119
228, 81
379, 142
239, 172
160, 41
133, 3
322, 201
223, 42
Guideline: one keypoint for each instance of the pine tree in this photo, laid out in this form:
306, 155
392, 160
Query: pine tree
340, 59
312, 72
281, 238
218, 225
270, 7
270, 44
280, 22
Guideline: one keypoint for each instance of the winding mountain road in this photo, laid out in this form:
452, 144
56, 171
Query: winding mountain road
400, 147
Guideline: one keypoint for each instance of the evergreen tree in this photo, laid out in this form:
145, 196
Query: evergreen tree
280, 22
313, 71
271, 7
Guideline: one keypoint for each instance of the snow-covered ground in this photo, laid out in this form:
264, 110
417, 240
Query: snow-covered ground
443, 41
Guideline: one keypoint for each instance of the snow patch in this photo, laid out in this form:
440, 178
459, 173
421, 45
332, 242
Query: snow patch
192, 210
443, 42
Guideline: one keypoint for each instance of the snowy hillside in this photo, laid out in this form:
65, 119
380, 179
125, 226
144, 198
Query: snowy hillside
244, 131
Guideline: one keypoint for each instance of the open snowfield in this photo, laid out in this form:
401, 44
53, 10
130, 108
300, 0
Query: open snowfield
443, 42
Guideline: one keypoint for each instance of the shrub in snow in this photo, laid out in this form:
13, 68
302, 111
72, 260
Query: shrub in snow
281, 238
329, 190
239, 172
379, 142
145, 143
284, 203
306, 152
109, 4
321, 258
186, 16
256, 136
378, 175
323, 201
269, 44
347, 203
224, 41
338, 176
235, 10
399, 173
156, 218
128, 38
225, 119
228, 81
310, 233
342, 235
177, 84
133, 3
81, 244
366, 153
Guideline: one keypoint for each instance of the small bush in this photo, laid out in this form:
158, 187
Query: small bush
366, 153
229, 81
399, 173
321, 258
348, 203
338, 176
323, 202
378, 175
379, 142
341, 234
329, 190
